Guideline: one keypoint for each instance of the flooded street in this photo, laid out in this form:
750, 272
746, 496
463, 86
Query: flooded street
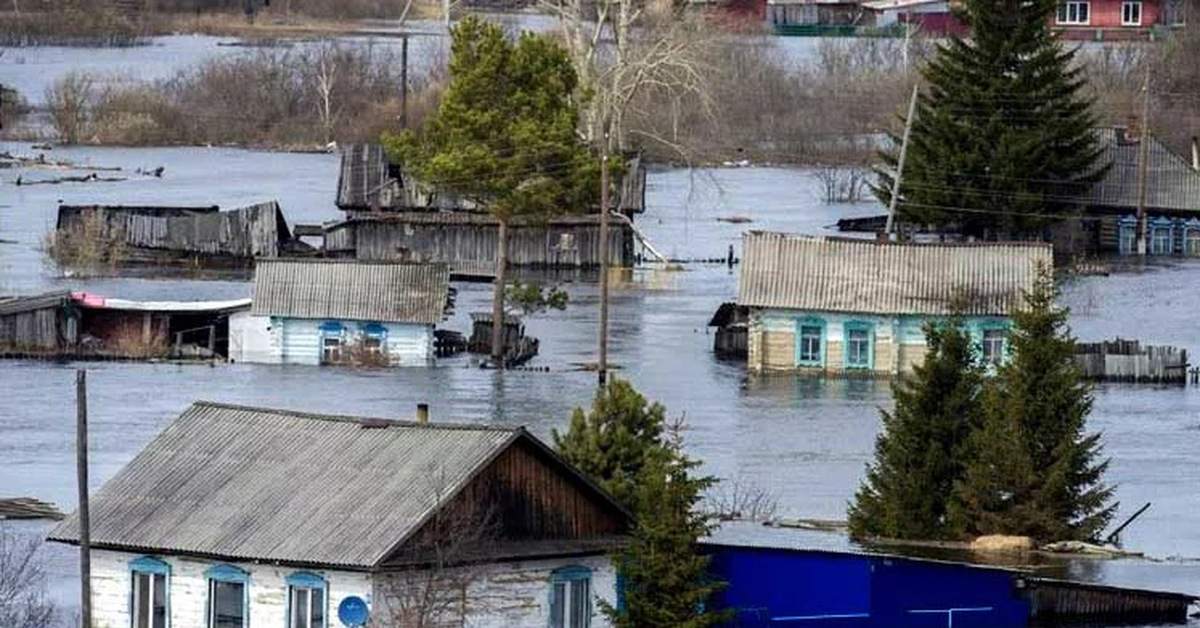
804, 440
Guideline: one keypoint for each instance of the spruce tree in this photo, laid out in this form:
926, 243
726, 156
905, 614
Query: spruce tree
1003, 134
612, 442
1035, 470
918, 454
664, 573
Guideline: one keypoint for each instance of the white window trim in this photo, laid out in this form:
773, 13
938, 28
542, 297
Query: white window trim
1074, 22
1127, 5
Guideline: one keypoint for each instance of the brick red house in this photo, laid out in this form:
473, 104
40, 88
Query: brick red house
1106, 19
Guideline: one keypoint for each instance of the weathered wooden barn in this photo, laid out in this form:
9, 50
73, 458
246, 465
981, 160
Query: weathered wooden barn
83, 326
841, 306
467, 241
732, 323
369, 182
321, 311
273, 518
198, 236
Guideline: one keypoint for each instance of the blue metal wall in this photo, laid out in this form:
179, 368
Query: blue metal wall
775, 587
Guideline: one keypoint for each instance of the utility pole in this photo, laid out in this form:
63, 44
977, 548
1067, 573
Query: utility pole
404, 81
602, 361
81, 470
1143, 165
446, 13
891, 217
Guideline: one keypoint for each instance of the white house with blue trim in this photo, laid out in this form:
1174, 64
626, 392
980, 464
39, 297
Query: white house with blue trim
308, 311
858, 307
237, 517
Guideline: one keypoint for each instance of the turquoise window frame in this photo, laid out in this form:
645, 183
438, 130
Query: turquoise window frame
1004, 345
1191, 229
868, 327
154, 566
810, 321
566, 576
1127, 235
229, 574
307, 580
1161, 226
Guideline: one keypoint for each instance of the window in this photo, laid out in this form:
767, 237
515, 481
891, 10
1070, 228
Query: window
306, 601
373, 338
570, 598
1127, 228
1131, 13
1073, 13
1162, 238
331, 349
227, 597
1191, 241
993, 346
148, 593
859, 338
810, 350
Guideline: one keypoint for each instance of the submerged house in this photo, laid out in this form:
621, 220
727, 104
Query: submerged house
341, 312
841, 306
392, 216
197, 236
237, 517
79, 325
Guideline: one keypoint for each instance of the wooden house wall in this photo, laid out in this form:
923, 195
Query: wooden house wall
533, 246
32, 330
521, 497
246, 233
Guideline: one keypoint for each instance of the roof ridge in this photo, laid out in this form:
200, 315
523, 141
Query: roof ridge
865, 241
347, 418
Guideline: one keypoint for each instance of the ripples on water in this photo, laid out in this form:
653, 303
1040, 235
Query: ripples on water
805, 440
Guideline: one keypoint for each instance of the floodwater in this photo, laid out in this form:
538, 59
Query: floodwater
804, 440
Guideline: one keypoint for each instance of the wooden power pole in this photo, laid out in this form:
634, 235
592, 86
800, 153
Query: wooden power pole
404, 81
1143, 165
81, 471
602, 360
891, 216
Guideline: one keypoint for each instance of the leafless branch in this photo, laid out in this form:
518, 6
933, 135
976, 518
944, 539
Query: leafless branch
23, 601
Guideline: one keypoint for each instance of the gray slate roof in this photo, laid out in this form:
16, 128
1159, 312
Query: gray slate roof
384, 292
790, 271
1171, 183
257, 484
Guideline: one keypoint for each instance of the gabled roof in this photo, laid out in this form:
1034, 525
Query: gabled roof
1171, 183
257, 484
384, 292
863, 276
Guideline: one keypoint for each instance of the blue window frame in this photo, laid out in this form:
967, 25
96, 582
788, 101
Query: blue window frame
331, 342
374, 337
859, 352
228, 597
1162, 236
308, 601
571, 597
149, 593
810, 342
1127, 238
1191, 237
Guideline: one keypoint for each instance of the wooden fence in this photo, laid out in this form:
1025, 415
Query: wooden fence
1129, 361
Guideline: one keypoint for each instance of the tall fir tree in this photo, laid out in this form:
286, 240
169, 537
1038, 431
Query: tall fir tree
664, 574
1035, 470
1003, 136
504, 136
612, 442
918, 455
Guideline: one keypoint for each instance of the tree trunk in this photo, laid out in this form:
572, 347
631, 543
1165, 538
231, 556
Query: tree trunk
498, 296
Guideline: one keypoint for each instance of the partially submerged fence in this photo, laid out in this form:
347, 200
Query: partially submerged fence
1129, 361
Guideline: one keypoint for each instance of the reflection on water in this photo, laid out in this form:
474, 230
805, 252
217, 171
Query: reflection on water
804, 439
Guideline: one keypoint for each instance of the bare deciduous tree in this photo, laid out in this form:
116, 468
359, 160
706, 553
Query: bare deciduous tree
431, 584
23, 602
69, 99
739, 500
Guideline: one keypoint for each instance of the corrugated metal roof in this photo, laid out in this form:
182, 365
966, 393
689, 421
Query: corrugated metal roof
351, 290
833, 275
273, 485
1171, 183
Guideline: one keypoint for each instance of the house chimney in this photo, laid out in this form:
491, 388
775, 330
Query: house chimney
1195, 153
423, 414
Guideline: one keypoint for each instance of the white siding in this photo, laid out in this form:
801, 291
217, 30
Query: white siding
251, 339
516, 594
188, 590
300, 340
501, 595
408, 344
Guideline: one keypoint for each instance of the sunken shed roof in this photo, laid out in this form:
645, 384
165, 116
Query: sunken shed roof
863, 276
350, 290
272, 485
